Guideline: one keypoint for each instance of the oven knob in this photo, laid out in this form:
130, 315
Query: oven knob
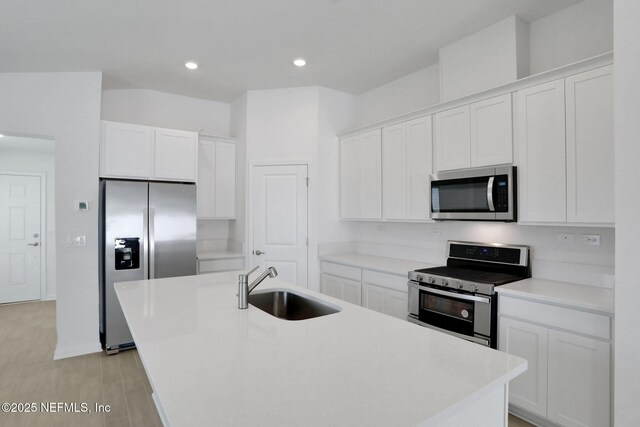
474, 288
432, 280
445, 283
419, 277
458, 285
464, 313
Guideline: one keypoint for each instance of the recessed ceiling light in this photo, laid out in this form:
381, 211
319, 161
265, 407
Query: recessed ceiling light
191, 65
300, 62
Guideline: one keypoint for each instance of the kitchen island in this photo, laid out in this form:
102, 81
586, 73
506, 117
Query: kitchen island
211, 364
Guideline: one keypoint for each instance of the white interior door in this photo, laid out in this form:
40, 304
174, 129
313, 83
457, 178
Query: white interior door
280, 221
19, 238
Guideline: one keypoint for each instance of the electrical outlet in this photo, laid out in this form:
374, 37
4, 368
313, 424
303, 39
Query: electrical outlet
566, 237
591, 239
436, 232
76, 240
380, 228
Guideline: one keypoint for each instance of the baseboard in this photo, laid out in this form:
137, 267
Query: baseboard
79, 350
536, 420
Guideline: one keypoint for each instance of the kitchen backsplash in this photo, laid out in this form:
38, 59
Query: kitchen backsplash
566, 260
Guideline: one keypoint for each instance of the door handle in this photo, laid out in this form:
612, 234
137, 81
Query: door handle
33, 244
259, 252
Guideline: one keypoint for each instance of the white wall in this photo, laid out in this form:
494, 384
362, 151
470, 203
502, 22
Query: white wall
301, 125
627, 129
65, 107
152, 108
570, 35
573, 34
237, 228
42, 162
488, 58
409, 93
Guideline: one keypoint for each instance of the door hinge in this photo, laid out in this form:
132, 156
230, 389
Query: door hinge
308, 181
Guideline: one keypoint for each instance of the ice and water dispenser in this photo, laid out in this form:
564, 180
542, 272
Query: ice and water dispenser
127, 251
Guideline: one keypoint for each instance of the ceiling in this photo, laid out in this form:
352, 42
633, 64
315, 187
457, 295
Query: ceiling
350, 45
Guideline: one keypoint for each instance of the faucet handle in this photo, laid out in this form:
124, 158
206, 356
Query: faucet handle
244, 277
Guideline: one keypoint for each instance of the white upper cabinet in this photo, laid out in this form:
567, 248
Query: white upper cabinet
565, 150
590, 154
540, 134
216, 179
176, 155
491, 131
452, 139
143, 152
126, 150
361, 176
406, 165
478, 134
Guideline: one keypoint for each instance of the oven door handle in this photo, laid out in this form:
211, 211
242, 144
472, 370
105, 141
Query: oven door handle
485, 300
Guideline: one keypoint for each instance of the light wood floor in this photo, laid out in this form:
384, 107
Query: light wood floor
28, 373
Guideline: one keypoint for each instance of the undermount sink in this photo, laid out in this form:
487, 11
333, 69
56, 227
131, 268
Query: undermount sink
289, 305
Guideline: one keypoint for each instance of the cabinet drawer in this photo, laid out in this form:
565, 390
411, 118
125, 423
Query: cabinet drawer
339, 270
213, 265
390, 281
568, 319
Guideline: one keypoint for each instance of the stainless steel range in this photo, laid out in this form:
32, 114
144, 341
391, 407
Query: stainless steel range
460, 299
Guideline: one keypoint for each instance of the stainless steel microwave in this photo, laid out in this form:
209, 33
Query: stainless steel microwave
483, 194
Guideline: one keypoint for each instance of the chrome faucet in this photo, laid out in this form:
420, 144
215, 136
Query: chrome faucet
244, 288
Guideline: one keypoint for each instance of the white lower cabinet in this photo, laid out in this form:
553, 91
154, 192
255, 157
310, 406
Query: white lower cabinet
579, 387
568, 379
382, 292
384, 300
529, 341
338, 287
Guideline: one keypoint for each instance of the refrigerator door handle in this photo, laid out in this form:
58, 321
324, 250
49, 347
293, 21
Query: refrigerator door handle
145, 243
152, 245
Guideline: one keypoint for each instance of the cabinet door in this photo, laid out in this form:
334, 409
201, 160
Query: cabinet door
370, 178
419, 161
176, 155
394, 171
397, 304
529, 341
225, 180
590, 154
351, 291
349, 178
374, 297
330, 285
541, 153
491, 131
579, 386
452, 139
126, 150
206, 163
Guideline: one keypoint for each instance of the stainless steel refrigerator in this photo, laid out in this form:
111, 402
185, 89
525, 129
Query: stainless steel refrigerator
147, 231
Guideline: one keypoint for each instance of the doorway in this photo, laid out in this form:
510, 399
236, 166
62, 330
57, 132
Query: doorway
278, 220
27, 219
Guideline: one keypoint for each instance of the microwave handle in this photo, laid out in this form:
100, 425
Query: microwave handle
490, 194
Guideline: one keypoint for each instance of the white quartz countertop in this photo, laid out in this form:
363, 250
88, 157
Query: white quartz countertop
211, 364
376, 263
205, 255
568, 294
